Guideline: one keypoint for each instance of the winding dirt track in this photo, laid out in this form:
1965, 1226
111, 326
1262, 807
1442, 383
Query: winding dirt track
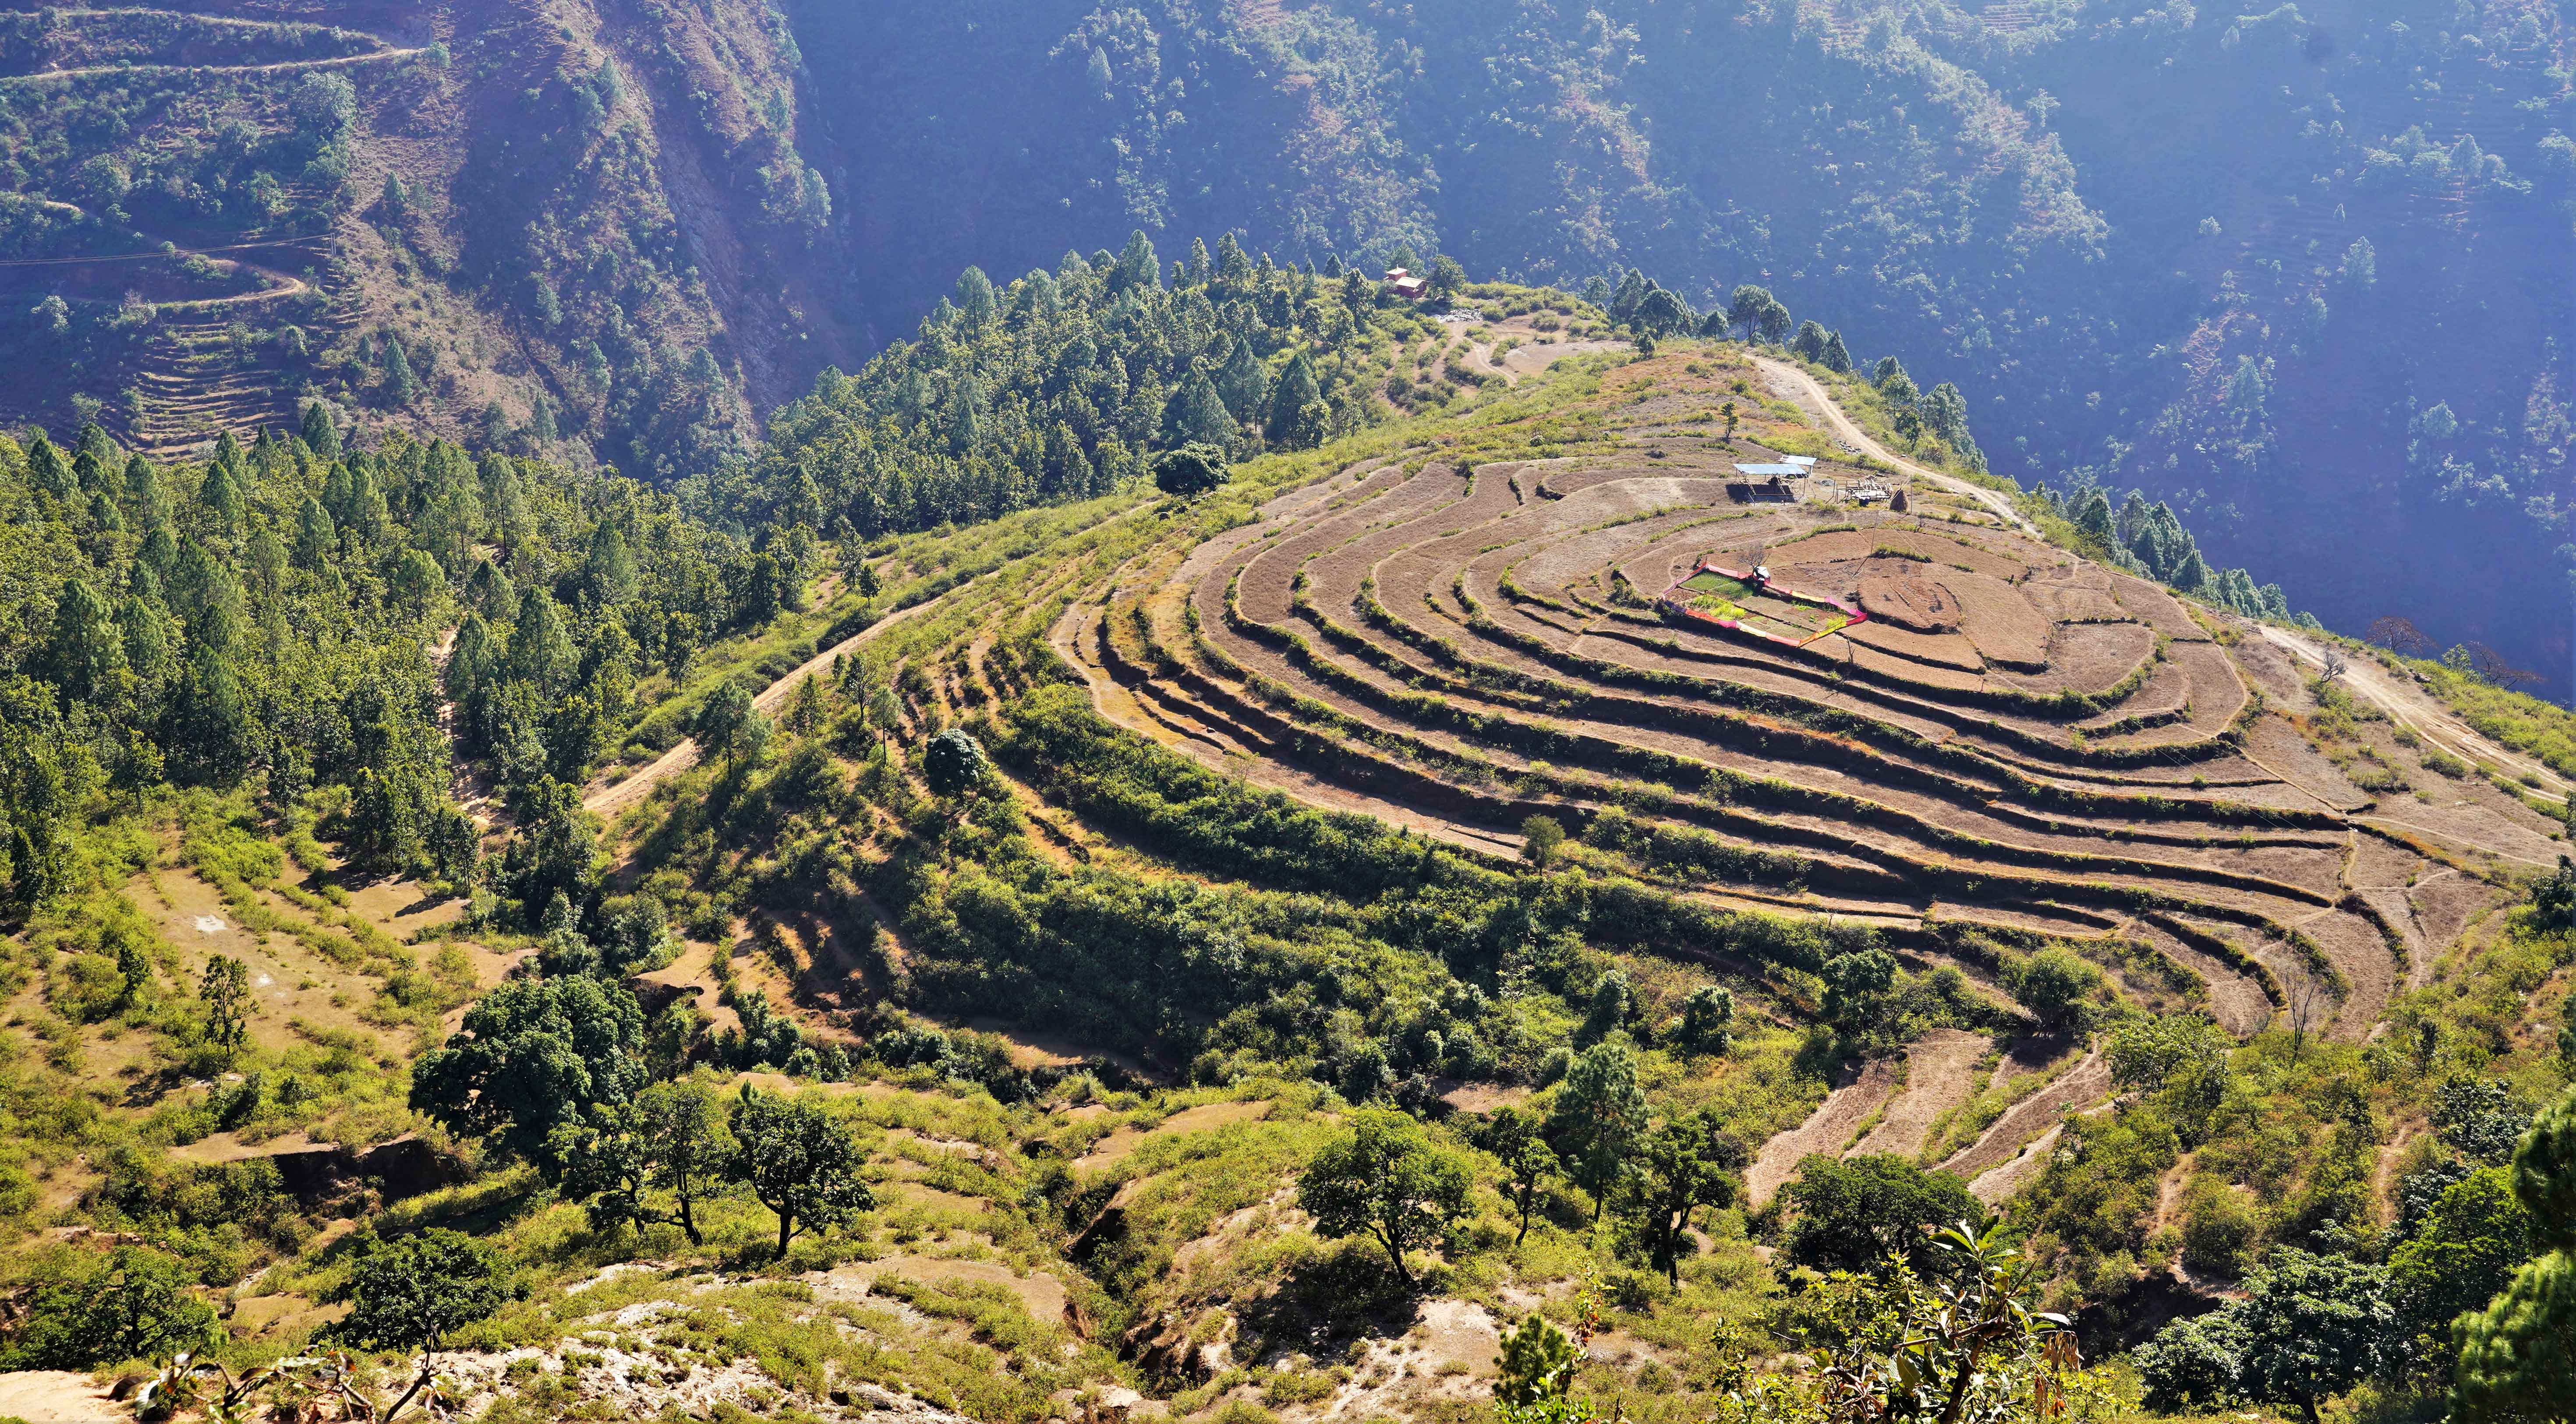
609, 799
286, 284
1796, 382
2411, 706
338, 61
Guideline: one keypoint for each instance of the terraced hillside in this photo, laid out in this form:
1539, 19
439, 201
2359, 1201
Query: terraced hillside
2062, 750
1513, 770
1279, 776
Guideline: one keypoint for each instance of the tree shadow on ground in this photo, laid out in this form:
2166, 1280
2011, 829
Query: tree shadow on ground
1343, 1293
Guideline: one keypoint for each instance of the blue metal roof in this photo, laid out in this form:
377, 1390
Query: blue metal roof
1770, 470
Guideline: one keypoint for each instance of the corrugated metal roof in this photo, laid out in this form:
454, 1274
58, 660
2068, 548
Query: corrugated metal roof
1770, 470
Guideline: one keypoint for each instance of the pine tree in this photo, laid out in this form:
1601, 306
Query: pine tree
316, 539
1232, 263
608, 570
1243, 384
2192, 574
1632, 292
1837, 357
975, 298
541, 650
86, 651
2093, 516
1197, 415
1137, 266
221, 496
46, 465
318, 434
399, 386
1297, 389
1068, 469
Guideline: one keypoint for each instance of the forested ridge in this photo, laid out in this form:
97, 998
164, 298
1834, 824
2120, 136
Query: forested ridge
306, 618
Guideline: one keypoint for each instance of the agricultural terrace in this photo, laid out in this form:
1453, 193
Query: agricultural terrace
1270, 824
1977, 748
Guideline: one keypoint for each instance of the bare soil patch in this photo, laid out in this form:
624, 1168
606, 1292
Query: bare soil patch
1940, 1073
2152, 605
2000, 1182
1040, 1294
56, 1397
1909, 600
1829, 1129
289, 981
1890, 668
2446, 903
2075, 593
1945, 650
1995, 616
2093, 658
693, 974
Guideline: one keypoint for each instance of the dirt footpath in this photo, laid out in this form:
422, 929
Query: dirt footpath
610, 799
56, 1397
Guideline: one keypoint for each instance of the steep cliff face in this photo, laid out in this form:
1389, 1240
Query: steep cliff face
630, 202
570, 226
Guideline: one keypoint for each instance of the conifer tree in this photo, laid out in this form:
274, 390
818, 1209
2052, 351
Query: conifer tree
1197, 415
1243, 384
400, 386
318, 434
1297, 389
51, 472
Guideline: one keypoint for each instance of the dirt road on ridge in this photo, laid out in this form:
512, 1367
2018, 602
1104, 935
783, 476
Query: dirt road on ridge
616, 796
1795, 382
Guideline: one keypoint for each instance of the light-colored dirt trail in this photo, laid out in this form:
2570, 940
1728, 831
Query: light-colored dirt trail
1795, 383
1829, 1129
2411, 706
281, 66
56, 1397
282, 284
616, 796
